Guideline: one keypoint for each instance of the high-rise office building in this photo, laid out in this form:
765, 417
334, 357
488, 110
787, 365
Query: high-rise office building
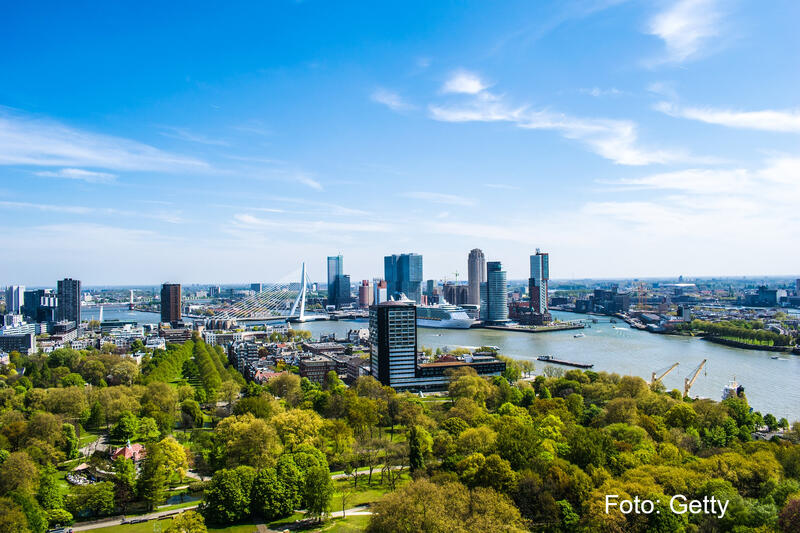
40, 305
256, 287
393, 343
335, 269
15, 299
537, 284
476, 272
494, 294
214, 291
403, 274
797, 286
171, 302
341, 291
69, 300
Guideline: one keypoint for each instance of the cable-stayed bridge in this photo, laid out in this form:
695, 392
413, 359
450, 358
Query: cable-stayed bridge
277, 301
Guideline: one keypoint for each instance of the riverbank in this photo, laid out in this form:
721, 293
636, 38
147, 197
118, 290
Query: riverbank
746, 346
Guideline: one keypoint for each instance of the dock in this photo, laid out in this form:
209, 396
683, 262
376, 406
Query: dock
551, 359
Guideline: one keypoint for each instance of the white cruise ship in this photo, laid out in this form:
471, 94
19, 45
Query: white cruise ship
443, 315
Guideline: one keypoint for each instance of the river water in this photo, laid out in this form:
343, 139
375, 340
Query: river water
771, 385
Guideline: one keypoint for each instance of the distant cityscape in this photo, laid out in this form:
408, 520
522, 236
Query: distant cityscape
240, 317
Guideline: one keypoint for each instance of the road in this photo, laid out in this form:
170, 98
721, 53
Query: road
118, 521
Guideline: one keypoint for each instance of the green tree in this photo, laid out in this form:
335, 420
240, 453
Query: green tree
318, 491
124, 480
187, 522
154, 476
93, 500
419, 445
126, 428
18, 473
49, 494
12, 519
227, 498
268, 497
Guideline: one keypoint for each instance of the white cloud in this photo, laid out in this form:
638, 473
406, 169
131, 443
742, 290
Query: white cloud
184, 134
439, 198
597, 92
88, 176
685, 27
464, 82
170, 217
764, 120
308, 181
31, 141
502, 186
390, 99
315, 227
613, 139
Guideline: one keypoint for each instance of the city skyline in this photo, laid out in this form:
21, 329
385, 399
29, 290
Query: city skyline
628, 139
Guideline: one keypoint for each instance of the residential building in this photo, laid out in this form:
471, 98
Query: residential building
69, 300
214, 291
171, 303
476, 272
316, 367
380, 291
15, 297
494, 294
393, 343
403, 275
364, 294
537, 284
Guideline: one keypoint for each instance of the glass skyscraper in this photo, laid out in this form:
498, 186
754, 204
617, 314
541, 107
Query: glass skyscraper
494, 294
403, 274
69, 300
537, 284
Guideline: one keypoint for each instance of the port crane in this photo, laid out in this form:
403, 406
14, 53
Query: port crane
689, 380
659, 374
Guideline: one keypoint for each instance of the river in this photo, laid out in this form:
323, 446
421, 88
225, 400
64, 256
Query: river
771, 385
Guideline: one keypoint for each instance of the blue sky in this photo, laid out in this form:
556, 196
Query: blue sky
196, 142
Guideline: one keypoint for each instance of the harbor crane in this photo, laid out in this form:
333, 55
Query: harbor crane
659, 374
689, 380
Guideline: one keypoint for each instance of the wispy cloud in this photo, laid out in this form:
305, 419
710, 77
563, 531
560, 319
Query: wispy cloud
502, 186
310, 226
616, 140
464, 82
765, 120
597, 92
390, 99
184, 134
439, 198
685, 27
88, 176
170, 217
25, 140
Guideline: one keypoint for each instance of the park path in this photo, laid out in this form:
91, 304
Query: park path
121, 520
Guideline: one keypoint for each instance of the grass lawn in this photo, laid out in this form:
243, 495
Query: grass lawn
364, 493
148, 527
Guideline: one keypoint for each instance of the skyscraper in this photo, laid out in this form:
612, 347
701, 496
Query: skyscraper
257, 287
341, 291
380, 295
41, 305
393, 343
171, 302
494, 294
403, 274
335, 269
537, 284
476, 271
15, 299
69, 300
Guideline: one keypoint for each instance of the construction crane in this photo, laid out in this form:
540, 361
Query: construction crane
689, 380
659, 374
